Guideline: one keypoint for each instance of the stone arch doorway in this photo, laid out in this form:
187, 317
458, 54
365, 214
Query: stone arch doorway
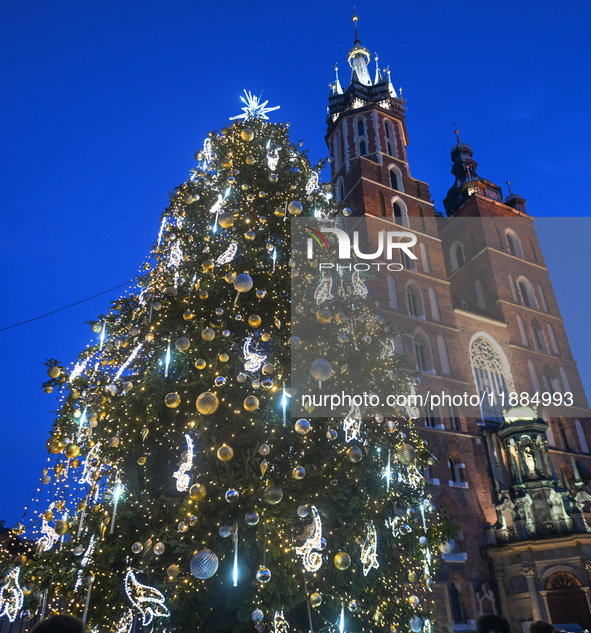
567, 601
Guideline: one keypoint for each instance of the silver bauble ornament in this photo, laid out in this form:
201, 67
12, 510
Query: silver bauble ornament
204, 564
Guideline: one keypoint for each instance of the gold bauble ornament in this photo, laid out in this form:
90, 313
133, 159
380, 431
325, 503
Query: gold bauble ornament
54, 371
250, 160
203, 295
55, 445
294, 207
265, 337
247, 134
224, 358
323, 315
207, 403
197, 492
20, 560
279, 212
182, 343
48, 389
97, 327
243, 282
250, 235
172, 400
188, 315
268, 369
72, 451
172, 571
273, 178
114, 441
48, 515
149, 337
61, 528
315, 599
200, 363
226, 220
208, 334
412, 576
141, 461
226, 162
254, 320
251, 403
229, 277
225, 453
406, 454
321, 369
354, 454
76, 463
260, 294
207, 265
342, 561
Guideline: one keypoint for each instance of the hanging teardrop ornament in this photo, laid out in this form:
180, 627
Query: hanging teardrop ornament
264, 466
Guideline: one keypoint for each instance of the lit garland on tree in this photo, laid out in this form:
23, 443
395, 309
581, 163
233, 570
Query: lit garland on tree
198, 355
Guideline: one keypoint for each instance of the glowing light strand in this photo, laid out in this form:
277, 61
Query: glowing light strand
254, 108
125, 623
312, 183
90, 467
312, 560
280, 624
324, 290
369, 551
84, 562
147, 600
11, 595
228, 255
176, 256
352, 424
128, 362
359, 288
253, 361
181, 476
50, 536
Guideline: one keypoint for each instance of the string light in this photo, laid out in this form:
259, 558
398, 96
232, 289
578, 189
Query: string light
228, 255
253, 361
181, 476
11, 595
125, 623
352, 425
312, 560
50, 536
147, 600
369, 551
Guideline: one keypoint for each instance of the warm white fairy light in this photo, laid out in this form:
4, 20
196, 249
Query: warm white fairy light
369, 551
147, 600
79, 369
90, 467
253, 361
312, 183
324, 290
11, 595
312, 560
84, 562
161, 231
50, 536
359, 288
273, 159
207, 151
128, 362
181, 475
352, 425
176, 256
228, 255
125, 623
398, 526
254, 108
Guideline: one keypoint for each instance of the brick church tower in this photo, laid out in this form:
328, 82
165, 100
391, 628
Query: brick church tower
485, 323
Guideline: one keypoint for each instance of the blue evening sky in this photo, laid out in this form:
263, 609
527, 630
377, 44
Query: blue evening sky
105, 103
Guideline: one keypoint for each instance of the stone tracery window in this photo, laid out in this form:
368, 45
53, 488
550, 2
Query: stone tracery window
489, 374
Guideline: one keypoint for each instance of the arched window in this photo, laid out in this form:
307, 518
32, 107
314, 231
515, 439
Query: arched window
582, 438
360, 127
382, 202
533, 374
399, 211
456, 255
457, 470
539, 338
392, 294
337, 150
390, 138
543, 299
549, 432
458, 612
549, 381
513, 287
479, 295
564, 379
425, 258
423, 354
513, 243
339, 192
553, 341
443, 355
455, 418
528, 297
435, 314
522, 331
362, 148
395, 177
433, 417
533, 250
490, 376
407, 262
414, 300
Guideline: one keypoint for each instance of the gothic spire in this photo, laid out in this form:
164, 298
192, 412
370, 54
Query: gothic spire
359, 59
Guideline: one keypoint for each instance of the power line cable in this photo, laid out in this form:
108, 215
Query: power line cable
70, 305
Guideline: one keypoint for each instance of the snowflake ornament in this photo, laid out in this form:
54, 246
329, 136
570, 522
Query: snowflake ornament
254, 108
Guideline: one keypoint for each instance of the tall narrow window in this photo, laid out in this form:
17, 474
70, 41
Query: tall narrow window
539, 338
360, 128
456, 255
435, 315
582, 438
489, 375
458, 613
533, 374
414, 300
423, 354
382, 204
533, 250
425, 258
513, 244
362, 149
543, 299
392, 294
479, 294
553, 341
443, 355
513, 287
522, 331
528, 296
339, 190
455, 418
397, 213
563, 377
337, 150
390, 139
407, 262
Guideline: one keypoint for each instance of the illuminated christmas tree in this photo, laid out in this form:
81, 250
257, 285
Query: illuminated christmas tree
180, 492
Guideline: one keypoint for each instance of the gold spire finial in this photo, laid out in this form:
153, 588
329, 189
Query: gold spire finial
355, 18
457, 133
509, 185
